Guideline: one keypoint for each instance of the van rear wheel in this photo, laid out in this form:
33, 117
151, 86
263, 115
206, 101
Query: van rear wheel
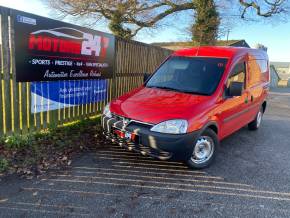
204, 150
256, 123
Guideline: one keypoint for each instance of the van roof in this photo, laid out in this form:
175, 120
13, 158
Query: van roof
221, 52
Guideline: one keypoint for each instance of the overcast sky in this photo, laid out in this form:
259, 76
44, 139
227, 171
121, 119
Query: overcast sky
275, 36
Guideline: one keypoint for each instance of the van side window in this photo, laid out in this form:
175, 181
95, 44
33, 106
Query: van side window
256, 71
263, 65
238, 74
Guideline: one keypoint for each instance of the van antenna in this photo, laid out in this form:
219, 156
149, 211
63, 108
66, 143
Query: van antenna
201, 34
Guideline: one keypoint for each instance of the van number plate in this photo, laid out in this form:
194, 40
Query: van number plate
128, 135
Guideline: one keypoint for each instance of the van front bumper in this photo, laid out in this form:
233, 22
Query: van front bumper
159, 145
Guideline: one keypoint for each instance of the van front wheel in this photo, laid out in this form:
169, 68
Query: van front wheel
204, 150
255, 124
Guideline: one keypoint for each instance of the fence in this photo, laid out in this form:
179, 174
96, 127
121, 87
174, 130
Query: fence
132, 58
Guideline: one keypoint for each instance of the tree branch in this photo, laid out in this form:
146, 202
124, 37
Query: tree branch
151, 22
275, 7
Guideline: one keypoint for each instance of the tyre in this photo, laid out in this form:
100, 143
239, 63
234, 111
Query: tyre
256, 123
204, 150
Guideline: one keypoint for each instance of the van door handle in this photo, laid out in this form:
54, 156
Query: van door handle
252, 98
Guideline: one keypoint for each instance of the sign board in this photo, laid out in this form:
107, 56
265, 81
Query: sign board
46, 96
49, 50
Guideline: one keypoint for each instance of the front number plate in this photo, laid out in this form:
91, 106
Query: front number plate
128, 135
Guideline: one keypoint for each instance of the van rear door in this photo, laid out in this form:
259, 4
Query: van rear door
257, 80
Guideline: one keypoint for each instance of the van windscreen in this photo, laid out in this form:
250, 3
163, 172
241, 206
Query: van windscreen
197, 75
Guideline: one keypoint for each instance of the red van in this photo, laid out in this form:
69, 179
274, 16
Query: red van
196, 98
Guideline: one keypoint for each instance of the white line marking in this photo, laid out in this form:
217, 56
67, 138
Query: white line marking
177, 183
45, 205
151, 197
160, 169
152, 164
155, 177
190, 174
176, 189
45, 211
142, 161
146, 172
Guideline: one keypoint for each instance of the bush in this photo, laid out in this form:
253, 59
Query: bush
17, 141
3, 165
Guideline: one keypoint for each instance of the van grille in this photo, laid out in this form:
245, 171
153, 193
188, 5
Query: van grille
130, 121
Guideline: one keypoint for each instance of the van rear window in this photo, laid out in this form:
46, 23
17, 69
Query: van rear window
197, 75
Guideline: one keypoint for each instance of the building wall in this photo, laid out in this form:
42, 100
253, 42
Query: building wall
283, 69
274, 77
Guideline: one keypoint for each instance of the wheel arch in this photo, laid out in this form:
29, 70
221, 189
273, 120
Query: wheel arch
211, 125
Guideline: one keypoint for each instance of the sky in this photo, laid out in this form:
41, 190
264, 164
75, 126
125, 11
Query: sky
276, 36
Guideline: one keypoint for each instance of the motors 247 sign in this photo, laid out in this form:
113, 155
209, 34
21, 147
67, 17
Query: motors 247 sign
48, 50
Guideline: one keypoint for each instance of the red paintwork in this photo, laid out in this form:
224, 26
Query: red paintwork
154, 105
120, 133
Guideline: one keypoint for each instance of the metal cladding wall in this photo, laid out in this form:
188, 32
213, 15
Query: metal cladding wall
274, 77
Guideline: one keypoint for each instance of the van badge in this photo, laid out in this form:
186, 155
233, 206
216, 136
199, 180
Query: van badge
126, 121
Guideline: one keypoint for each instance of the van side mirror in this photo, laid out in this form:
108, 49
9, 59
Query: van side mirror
236, 88
146, 77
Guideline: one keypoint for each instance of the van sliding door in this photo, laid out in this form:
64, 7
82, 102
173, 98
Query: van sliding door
235, 113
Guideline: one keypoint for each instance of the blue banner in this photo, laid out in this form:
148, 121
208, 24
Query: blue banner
46, 96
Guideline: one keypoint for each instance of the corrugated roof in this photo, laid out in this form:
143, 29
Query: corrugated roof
281, 64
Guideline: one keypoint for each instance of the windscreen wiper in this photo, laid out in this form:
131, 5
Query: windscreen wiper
161, 87
177, 90
193, 92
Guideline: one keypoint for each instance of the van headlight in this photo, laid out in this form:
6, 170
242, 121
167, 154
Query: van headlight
106, 111
171, 126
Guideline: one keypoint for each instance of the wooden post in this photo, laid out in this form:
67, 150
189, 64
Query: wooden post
6, 70
115, 69
15, 88
24, 108
1, 99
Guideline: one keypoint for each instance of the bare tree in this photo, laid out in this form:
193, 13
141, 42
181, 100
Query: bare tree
127, 17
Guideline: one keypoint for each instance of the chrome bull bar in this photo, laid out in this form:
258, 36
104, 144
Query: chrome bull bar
109, 125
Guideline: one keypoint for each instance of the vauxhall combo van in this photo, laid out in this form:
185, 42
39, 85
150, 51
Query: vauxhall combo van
196, 98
